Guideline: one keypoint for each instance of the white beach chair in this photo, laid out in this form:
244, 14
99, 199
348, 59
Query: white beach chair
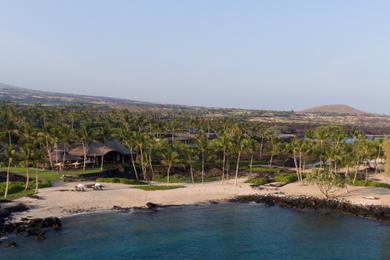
80, 187
98, 186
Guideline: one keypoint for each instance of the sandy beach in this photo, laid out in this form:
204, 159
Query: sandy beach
63, 201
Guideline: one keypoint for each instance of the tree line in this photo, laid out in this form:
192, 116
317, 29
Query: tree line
30, 134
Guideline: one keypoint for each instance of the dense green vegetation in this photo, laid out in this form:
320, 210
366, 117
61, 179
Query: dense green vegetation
284, 178
257, 181
184, 179
213, 148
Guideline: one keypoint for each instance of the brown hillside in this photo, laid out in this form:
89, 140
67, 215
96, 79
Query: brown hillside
335, 109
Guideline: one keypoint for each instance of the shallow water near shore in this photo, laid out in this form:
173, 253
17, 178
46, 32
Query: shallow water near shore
224, 231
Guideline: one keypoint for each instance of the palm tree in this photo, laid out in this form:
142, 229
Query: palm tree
297, 147
129, 139
240, 143
274, 147
170, 158
10, 155
251, 148
141, 140
102, 134
189, 155
222, 144
85, 132
202, 145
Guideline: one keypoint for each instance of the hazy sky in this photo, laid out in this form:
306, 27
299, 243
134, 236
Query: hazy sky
250, 53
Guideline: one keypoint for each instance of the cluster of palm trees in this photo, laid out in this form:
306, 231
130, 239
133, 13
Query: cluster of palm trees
30, 134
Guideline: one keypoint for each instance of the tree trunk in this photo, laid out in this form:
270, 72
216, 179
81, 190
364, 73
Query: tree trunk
251, 164
56, 149
261, 148
366, 173
270, 161
7, 180
63, 158
192, 173
300, 167
27, 176
346, 178
227, 168
151, 163
296, 164
223, 165
49, 153
356, 172
84, 156
168, 171
237, 167
102, 163
133, 164
321, 155
202, 167
142, 162
36, 180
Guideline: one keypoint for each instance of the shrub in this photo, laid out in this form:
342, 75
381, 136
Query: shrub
257, 181
158, 187
120, 180
371, 184
173, 178
285, 178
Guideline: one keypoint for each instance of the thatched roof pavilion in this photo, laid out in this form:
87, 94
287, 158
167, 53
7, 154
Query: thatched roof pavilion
97, 149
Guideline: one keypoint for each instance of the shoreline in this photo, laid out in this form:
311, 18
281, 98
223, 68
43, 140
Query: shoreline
372, 212
57, 203
63, 201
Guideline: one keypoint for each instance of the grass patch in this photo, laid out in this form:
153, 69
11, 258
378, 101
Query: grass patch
363, 183
185, 179
16, 189
285, 178
49, 175
257, 169
158, 187
257, 181
120, 180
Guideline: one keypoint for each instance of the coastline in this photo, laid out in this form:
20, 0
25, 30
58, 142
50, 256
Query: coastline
61, 202
44, 213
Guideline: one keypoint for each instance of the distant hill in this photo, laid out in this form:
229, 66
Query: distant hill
335, 109
23, 96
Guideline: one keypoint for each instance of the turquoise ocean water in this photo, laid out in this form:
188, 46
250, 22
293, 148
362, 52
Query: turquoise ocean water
224, 231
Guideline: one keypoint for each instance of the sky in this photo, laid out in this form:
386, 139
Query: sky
258, 54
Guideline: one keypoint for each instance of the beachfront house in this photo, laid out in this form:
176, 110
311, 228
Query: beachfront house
110, 152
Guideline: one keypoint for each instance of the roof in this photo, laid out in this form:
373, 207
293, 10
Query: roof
99, 149
59, 155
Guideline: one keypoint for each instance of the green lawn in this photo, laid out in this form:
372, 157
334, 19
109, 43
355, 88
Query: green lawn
120, 180
16, 189
45, 177
371, 184
185, 179
158, 187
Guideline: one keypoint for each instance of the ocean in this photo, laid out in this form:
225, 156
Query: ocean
223, 231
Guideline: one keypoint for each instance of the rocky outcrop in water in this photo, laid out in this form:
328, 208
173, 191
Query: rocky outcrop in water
28, 227
32, 227
374, 212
